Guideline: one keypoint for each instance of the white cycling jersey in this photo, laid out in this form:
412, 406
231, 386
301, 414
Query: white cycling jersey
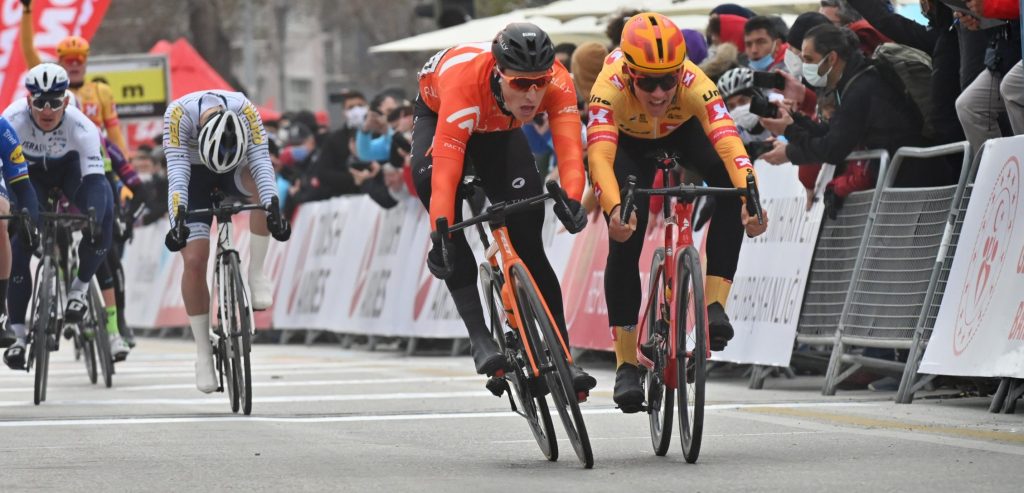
181, 136
75, 141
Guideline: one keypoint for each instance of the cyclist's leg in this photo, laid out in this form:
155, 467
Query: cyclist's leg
508, 171
725, 234
194, 290
462, 283
88, 192
117, 269
622, 286
105, 277
259, 241
20, 290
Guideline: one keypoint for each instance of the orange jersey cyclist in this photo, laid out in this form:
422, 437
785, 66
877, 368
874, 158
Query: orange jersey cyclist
473, 99
648, 97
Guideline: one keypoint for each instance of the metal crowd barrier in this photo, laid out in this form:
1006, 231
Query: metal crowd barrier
904, 245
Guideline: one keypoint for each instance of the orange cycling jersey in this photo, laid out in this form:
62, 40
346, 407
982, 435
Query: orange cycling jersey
614, 109
95, 99
456, 84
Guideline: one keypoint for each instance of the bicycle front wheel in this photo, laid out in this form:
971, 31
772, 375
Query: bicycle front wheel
551, 356
243, 336
660, 398
691, 348
43, 305
533, 408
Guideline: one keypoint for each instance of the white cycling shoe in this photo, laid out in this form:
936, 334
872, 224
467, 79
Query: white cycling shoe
206, 377
262, 294
118, 348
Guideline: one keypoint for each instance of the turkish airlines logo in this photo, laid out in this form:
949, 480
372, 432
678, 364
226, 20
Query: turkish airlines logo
717, 111
742, 162
599, 116
688, 78
473, 114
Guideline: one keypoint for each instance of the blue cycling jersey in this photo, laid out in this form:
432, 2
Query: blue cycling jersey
15, 168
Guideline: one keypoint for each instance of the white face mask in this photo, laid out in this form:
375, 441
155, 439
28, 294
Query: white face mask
794, 65
356, 115
810, 73
743, 117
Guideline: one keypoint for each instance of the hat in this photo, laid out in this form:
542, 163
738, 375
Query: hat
587, 61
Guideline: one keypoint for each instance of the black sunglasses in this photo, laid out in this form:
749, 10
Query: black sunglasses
666, 82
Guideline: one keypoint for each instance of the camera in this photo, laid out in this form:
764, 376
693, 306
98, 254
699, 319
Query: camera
769, 80
756, 148
761, 106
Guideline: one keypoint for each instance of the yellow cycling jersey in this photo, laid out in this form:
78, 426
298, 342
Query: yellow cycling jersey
95, 99
614, 109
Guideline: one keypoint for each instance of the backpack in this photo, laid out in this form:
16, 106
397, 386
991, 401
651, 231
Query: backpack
909, 71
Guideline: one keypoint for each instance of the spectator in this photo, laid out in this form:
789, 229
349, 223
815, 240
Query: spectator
765, 45
795, 39
356, 107
696, 46
154, 185
587, 61
720, 59
841, 14
863, 117
738, 91
563, 53
614, 28
732, 9
981, 102
373, 140
724, 28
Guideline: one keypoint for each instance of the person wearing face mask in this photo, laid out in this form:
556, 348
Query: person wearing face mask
737, 89
765, 46
869, 113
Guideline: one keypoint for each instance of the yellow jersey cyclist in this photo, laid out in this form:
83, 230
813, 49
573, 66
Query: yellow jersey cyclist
649, 97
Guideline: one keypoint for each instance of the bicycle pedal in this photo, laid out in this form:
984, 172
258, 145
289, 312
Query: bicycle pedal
496, 385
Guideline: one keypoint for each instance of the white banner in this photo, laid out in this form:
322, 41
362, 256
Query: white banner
980, 326
768, 289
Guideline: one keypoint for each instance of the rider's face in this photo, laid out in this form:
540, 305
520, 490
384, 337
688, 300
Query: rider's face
523, 92
75, 67
656, 100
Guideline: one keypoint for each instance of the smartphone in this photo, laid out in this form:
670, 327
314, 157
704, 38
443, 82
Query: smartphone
761, 106
769, 80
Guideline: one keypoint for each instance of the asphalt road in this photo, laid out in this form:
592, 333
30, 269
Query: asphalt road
327, 419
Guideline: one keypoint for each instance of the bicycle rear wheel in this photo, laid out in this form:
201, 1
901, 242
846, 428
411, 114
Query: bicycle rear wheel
97, 314
243, 336
660, 398
43, 305
691, 351
533, 408
552, 357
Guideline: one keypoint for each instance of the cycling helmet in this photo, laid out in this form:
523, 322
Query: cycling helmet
735, 81
73, 46
524, 47
47, 78
222, 141
653, 43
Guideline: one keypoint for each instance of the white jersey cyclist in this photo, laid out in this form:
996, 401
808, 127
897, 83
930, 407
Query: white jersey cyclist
76, 141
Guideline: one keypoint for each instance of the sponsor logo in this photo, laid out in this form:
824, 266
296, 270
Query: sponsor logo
599, 99
722, 133
254, 123
712, 94
688, 78
742, 162
717, 111
17, 156
518, 183
602, 136
988, 256
613, 57
569, 109
175, 125
665, 128
469, 116
617, 82
599, 116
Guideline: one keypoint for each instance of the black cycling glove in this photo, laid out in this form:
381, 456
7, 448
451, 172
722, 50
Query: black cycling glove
438, 265
174, 242
279, 227
572, 215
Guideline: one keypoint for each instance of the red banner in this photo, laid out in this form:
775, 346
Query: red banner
53, 20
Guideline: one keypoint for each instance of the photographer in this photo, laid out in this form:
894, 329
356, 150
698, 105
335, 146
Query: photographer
868, 114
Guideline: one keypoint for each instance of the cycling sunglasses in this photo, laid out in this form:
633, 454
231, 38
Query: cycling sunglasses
667, 82
55, 103
525, 83
70, 59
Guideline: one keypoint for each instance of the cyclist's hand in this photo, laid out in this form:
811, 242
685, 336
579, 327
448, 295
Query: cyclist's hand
126, 195
436, 261
279, 227
750, 222
175, 243
617, 230
30, 234
572, 215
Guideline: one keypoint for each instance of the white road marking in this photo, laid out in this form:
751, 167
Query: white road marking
705, 435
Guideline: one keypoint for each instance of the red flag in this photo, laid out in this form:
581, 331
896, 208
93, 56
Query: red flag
53, 20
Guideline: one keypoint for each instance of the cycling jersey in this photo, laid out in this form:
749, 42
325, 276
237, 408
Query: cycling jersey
181, 135
95, 99
614, 109
74, 143
456, 84
14, 167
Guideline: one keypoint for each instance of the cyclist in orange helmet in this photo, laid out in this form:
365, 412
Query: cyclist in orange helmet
650, 97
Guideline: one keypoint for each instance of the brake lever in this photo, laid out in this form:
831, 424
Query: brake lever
441, 230
754, 199
628, 201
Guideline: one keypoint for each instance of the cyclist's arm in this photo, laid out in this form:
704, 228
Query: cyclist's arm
564, 119
602, 145
120, 165
720, 128
258, 155
449, 154
28, 45
108, 112
177, 128
15, 170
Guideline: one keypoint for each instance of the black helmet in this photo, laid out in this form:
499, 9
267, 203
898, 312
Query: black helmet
524, 47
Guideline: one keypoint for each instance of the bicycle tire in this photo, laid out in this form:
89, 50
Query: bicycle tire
106, 359
245, 328
42, 318
226, 321
559, 382
533, 408
88, 347
690, 391
660, 397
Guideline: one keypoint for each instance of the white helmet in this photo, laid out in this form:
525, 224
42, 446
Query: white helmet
735, 81
47, 78
222, 141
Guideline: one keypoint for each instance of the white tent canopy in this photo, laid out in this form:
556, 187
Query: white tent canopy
570, 9
475, 30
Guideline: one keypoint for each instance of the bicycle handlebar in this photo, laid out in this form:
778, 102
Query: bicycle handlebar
221, 212
682, 191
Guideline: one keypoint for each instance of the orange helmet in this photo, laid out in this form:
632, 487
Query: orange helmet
73, 46
653, 43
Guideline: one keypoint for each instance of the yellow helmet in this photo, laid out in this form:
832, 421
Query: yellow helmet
653, 43
73, 46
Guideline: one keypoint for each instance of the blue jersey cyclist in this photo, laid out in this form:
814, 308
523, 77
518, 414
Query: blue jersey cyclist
14, 179
62, 148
